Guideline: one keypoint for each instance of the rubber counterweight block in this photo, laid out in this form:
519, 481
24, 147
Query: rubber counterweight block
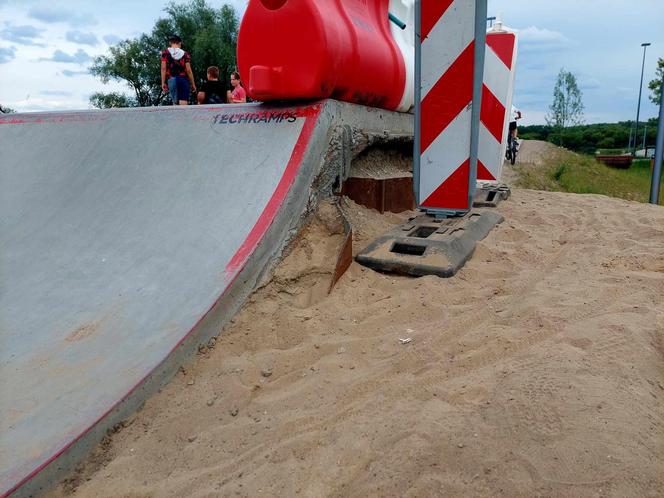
425, 246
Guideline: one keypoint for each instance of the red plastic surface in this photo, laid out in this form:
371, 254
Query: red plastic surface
313, 49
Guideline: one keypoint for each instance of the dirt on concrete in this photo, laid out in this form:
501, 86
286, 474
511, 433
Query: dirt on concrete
537, 371
384, 162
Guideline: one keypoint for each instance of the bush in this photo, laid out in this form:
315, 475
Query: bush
588, 138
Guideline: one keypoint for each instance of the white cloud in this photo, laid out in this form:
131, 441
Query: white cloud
112, 39
80, 57
532, 116
23, 34
81, 38
589, 83
37, 104
7, 54
56, 93
541, 39
50, 15
71, 74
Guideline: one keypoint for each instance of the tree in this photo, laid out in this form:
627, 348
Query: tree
109, 100
6, 110
136, 62
656, 84
208, 34
567, 107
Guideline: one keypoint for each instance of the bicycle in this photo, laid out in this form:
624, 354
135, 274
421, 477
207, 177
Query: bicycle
512, 149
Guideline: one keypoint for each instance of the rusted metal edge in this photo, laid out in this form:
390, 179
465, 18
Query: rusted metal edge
382, 194
345, 256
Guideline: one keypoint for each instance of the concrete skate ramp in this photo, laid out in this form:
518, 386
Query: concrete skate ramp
128, 238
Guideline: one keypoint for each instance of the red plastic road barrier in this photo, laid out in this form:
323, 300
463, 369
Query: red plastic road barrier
313, 49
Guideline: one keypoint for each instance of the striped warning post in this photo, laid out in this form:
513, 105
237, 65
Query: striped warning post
449, 66
497, 92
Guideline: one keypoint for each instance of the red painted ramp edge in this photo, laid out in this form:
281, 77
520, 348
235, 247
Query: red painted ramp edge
234, 266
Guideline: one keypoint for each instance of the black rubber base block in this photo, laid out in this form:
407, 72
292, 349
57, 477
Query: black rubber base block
425, 246
490, 195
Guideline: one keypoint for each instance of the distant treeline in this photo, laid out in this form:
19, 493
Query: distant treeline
588, 139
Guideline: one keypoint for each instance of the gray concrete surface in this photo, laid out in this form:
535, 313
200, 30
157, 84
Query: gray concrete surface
121, 242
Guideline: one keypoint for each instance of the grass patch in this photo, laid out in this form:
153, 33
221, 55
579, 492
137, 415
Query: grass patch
565, 171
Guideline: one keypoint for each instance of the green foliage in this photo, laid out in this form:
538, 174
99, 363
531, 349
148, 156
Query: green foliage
136, 62
208, 34
560, 171
567, 106
588, 139
565, 171
656, 84
109, 100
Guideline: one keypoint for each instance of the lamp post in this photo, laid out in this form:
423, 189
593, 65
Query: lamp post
659, 153
638, 107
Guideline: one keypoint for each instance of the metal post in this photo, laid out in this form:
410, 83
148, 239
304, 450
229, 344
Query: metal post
418, 101
659, 152
638, 107
478, 82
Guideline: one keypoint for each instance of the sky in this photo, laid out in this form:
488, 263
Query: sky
47, 46
599, 41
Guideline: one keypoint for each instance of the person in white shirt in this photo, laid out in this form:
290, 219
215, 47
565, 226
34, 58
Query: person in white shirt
516, 114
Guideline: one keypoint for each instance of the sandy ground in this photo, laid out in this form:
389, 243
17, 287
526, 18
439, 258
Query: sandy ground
381, 163
534, 151
537, 371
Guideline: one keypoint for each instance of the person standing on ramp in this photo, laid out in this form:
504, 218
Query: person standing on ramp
176, 74
213, 90
238, 95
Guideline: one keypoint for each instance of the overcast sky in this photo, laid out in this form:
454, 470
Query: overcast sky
46, 48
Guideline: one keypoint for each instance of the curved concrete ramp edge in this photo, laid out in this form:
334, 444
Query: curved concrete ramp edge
130, 237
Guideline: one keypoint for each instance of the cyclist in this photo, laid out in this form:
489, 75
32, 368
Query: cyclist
514, 131
512, 142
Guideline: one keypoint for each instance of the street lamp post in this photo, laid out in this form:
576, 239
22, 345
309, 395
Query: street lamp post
638, 107
659, 153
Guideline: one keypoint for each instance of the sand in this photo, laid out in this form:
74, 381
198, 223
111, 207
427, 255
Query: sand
534, 152
537, 371
384, 162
